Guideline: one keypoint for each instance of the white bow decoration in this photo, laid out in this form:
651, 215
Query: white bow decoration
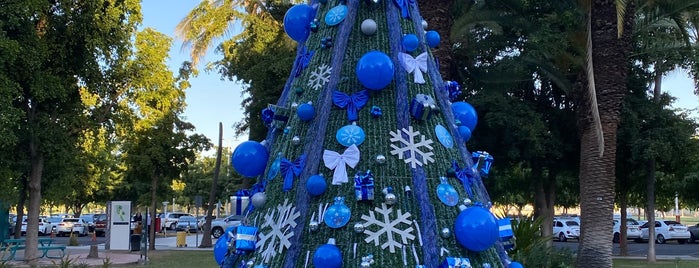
416, 65
336, 161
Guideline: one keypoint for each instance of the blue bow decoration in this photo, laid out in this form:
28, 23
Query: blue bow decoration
454, 90
404, 7
303, 60
267, 116
483, 161
464, 175
353, 103
291, 169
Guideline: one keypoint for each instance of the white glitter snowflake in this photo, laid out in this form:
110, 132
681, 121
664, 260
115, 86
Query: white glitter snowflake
411, 147
277, 239
320, 77
388, 227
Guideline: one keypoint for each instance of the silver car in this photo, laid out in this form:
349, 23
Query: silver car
186, 223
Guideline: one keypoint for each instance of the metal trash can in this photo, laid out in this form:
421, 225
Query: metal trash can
135, 242
181, 239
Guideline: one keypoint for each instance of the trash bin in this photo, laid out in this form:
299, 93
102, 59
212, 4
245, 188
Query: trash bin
157, 225
135, 242
181, 239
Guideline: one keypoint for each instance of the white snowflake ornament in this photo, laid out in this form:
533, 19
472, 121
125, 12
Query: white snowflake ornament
414, 149
389, 227
277, 239
320, 77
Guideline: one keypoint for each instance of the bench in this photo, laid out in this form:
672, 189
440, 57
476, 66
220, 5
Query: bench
12, 250
46, 249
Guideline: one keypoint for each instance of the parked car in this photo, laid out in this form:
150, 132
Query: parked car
54, 221
202, 219
219, 226
44, 226
89, 219
186, 223
169, 220
564, 229
71, 225
666, 230
100, 224
632, 230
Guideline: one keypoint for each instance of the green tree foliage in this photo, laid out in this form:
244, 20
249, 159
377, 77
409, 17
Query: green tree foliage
198, 179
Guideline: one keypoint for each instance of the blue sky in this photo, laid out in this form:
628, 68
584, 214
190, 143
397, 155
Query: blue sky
211, 100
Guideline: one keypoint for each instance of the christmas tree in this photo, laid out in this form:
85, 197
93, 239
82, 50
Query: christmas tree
365, 163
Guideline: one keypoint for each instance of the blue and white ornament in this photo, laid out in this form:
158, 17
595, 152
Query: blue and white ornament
446, 193
350, 134
444, 136
338, 214
336, 15
274, 168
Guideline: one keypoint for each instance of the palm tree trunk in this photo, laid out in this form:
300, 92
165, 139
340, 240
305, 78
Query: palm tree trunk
597, 177
206, 236
650, 209
623, 225
153, 205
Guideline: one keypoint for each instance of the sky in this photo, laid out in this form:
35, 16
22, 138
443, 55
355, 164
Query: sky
211, 100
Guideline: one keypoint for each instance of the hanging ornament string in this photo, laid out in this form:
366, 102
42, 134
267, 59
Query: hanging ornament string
303, 59
404, 7
290, 169
352, 103
336, 161
464, 175
416, 65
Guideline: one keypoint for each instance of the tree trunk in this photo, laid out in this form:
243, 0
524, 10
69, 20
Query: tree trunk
623, 225
544, 204
20, 207
650, 209
34, 186
153, 205
206, 237
597, 177
439, 17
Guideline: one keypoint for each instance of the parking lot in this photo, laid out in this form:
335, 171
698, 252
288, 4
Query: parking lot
640, 249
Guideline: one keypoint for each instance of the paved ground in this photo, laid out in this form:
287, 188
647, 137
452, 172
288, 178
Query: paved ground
79, 254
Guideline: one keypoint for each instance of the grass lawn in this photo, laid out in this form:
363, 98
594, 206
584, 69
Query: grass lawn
660, 264
180, 258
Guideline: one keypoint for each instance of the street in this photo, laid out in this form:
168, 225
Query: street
671, 248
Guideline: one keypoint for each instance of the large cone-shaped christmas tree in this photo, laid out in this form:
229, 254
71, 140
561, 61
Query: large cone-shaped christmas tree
365, 163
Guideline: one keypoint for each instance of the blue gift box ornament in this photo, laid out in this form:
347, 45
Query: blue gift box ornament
456, 262
505, 233
483, 161
246, 238
240, 203
364, 186
422, 107
279, 115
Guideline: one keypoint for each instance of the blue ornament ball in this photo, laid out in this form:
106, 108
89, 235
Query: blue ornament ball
515, 264
410, 42
476, 229
465, 133
297, 22
432, 38
465, 113
250, 159
327, 256
306, 112
316, 185
375, 70
221, 249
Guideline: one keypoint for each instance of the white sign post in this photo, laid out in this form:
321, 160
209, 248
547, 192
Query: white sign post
119, 225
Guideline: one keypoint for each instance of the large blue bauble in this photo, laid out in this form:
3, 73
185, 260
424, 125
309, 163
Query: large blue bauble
221, 248
465, 133
250, 159
327, 256
316, 185
432, 38
410, 42
375, 70
297, 22
465, 113
515, 264
306, 112
476, 229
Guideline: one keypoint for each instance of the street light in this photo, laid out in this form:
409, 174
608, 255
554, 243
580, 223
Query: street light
165, 206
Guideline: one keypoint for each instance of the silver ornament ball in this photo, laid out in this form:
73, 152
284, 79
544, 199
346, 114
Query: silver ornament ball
467, 201
296, 140
313, 226
380, 159
259, 199
391, 199
294, 105
445, 233
359, 227
424, 24
365, 264
250, 264
369, 26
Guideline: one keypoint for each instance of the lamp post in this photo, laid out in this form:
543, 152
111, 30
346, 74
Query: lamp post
677, 208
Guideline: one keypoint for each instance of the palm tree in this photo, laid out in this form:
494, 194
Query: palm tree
440, 17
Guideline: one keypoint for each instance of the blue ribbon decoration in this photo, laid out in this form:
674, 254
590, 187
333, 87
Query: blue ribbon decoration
464, 175
353, 103
291, 169
302, 60
404, 7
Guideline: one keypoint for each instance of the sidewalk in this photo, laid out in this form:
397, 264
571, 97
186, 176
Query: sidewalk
78, 254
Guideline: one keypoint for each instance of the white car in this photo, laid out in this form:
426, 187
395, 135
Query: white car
564, 229
632, 230
219, 226
44, 226
71, 225
667, 230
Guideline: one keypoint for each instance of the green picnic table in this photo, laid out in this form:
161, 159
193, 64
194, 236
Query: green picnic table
10, 247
